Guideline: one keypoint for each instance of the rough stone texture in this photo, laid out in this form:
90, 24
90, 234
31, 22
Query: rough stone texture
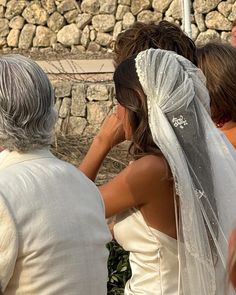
97, 111
146, 16
4, 27
128, 20
56, 21
175, 9
195, 31
107, 6
121, 11
78, 107
83, 20
49, 6
65, 107
97, 92
139, 5
200, 21
103, 39
204, 6
89, 25
117, 29
2, 11
93, 35
71, 16
26, 36
124, 2
206, 36
62, 88
93, 47
3, 2
58, 104
216, 21
90, 6
77, 49
225, 36
13, 38
35, 14
162, 5
69, 35
76, 125
58, 126
225, 8
67, 5
232, 15
15, 7
3, 41
17, 22
103, 22
44, 37
85, 36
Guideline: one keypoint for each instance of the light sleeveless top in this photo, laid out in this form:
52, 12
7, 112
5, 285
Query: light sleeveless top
153, 256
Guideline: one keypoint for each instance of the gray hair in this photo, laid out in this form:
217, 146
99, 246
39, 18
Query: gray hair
27, 114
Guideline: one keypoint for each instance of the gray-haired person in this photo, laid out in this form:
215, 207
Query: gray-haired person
52, 226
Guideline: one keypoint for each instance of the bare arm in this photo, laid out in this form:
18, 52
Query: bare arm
135, 186
110, 134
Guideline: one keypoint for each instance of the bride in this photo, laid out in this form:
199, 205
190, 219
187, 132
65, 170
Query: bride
175, 203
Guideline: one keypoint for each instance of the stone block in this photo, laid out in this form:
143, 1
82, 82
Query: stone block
103, 22
35, 14
90, 6
107, 6
121, 11
147, 16
76, 125
67, 5
26, 36
97, 92
216, 21
44, 37
161, 6
49, 6
205, 6
4, 27
65, 107
15, 7
78, 107
13, 38
56, 21
83, 20
139, 5
69, 35
17, 22
62, 88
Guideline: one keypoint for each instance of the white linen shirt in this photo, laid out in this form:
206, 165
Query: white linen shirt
52, 228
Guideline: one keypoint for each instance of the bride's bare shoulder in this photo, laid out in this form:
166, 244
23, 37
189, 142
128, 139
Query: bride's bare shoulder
151, 165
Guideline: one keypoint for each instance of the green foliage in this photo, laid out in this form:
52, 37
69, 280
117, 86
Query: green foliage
118, 269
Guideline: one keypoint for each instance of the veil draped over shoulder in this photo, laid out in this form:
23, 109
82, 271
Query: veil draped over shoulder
203, 169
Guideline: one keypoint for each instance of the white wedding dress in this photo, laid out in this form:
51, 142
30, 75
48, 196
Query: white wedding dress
153, 256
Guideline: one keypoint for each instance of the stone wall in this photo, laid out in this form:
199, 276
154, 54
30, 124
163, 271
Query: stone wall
91, 25
82, 106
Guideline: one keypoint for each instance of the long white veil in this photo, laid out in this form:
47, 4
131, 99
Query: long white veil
203, 168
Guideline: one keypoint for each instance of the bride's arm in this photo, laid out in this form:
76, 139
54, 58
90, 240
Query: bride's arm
111, 133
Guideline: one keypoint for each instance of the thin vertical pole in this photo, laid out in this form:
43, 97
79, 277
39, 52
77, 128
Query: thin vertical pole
186, 17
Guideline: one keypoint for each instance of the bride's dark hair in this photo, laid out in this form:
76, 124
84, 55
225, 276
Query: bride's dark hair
130, 95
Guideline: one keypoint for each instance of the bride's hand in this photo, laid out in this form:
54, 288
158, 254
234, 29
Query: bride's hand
111, 132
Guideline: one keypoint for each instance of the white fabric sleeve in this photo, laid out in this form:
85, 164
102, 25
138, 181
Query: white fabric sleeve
8, 244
